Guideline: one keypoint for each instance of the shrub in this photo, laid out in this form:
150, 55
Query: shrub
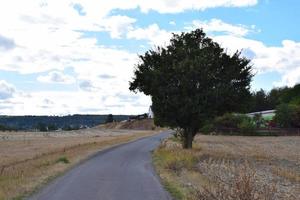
228, 120
63, 159
207, 128
287, 115
246, 126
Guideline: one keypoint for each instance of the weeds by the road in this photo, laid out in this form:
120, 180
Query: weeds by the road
63, 159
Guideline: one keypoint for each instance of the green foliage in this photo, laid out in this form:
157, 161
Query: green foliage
63, 159
228, 120
109, 119
287, 115
291, 95
235, 123
207, 128
174, 190
192, 80
261, 100
246, 126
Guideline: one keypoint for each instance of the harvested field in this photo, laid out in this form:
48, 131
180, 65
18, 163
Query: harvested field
231, 167
30, 159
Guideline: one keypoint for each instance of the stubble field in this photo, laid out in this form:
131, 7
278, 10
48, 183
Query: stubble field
30, 159
231, 167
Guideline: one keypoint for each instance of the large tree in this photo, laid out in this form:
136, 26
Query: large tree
191, 81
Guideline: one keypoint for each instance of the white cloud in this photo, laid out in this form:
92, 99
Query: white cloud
152, 33
173, 23
177, 6
290, 78
6, 90
56, 77
99, 8
118, 25
87, 85
284, 59
217, 25
77, 102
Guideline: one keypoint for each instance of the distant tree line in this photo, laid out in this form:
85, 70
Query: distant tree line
262, 100
52, 123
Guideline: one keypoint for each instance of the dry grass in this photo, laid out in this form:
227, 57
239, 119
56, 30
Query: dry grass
242, 187
231, 167
28, 160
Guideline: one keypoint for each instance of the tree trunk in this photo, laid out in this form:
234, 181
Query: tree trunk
188, 139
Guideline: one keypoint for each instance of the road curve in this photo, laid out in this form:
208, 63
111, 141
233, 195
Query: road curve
124, 172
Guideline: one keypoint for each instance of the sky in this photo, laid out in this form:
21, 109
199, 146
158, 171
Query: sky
61, 57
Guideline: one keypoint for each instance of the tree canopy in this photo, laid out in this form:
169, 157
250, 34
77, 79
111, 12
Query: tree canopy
192, 80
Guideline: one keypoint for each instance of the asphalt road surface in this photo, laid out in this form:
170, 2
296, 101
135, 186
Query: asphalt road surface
120, 173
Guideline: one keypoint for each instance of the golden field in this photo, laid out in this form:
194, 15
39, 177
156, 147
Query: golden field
30, 159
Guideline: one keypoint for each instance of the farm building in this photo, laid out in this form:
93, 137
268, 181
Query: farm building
267, 114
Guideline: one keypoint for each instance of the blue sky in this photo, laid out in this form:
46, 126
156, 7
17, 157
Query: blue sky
72, 56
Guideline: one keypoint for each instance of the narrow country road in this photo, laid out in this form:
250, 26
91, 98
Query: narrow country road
121, 173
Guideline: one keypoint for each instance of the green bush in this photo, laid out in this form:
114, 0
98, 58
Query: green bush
63, 159
287, 116
230, 120
235, 123
207, 128
246, 126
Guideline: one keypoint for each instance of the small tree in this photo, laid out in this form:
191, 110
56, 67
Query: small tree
192, 80
109, 119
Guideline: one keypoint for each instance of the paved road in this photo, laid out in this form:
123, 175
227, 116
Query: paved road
121, 173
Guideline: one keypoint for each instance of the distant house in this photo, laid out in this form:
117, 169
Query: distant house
266, 114
150, 113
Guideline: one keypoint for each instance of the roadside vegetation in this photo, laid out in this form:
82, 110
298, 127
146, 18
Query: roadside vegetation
231, 168
30, 159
